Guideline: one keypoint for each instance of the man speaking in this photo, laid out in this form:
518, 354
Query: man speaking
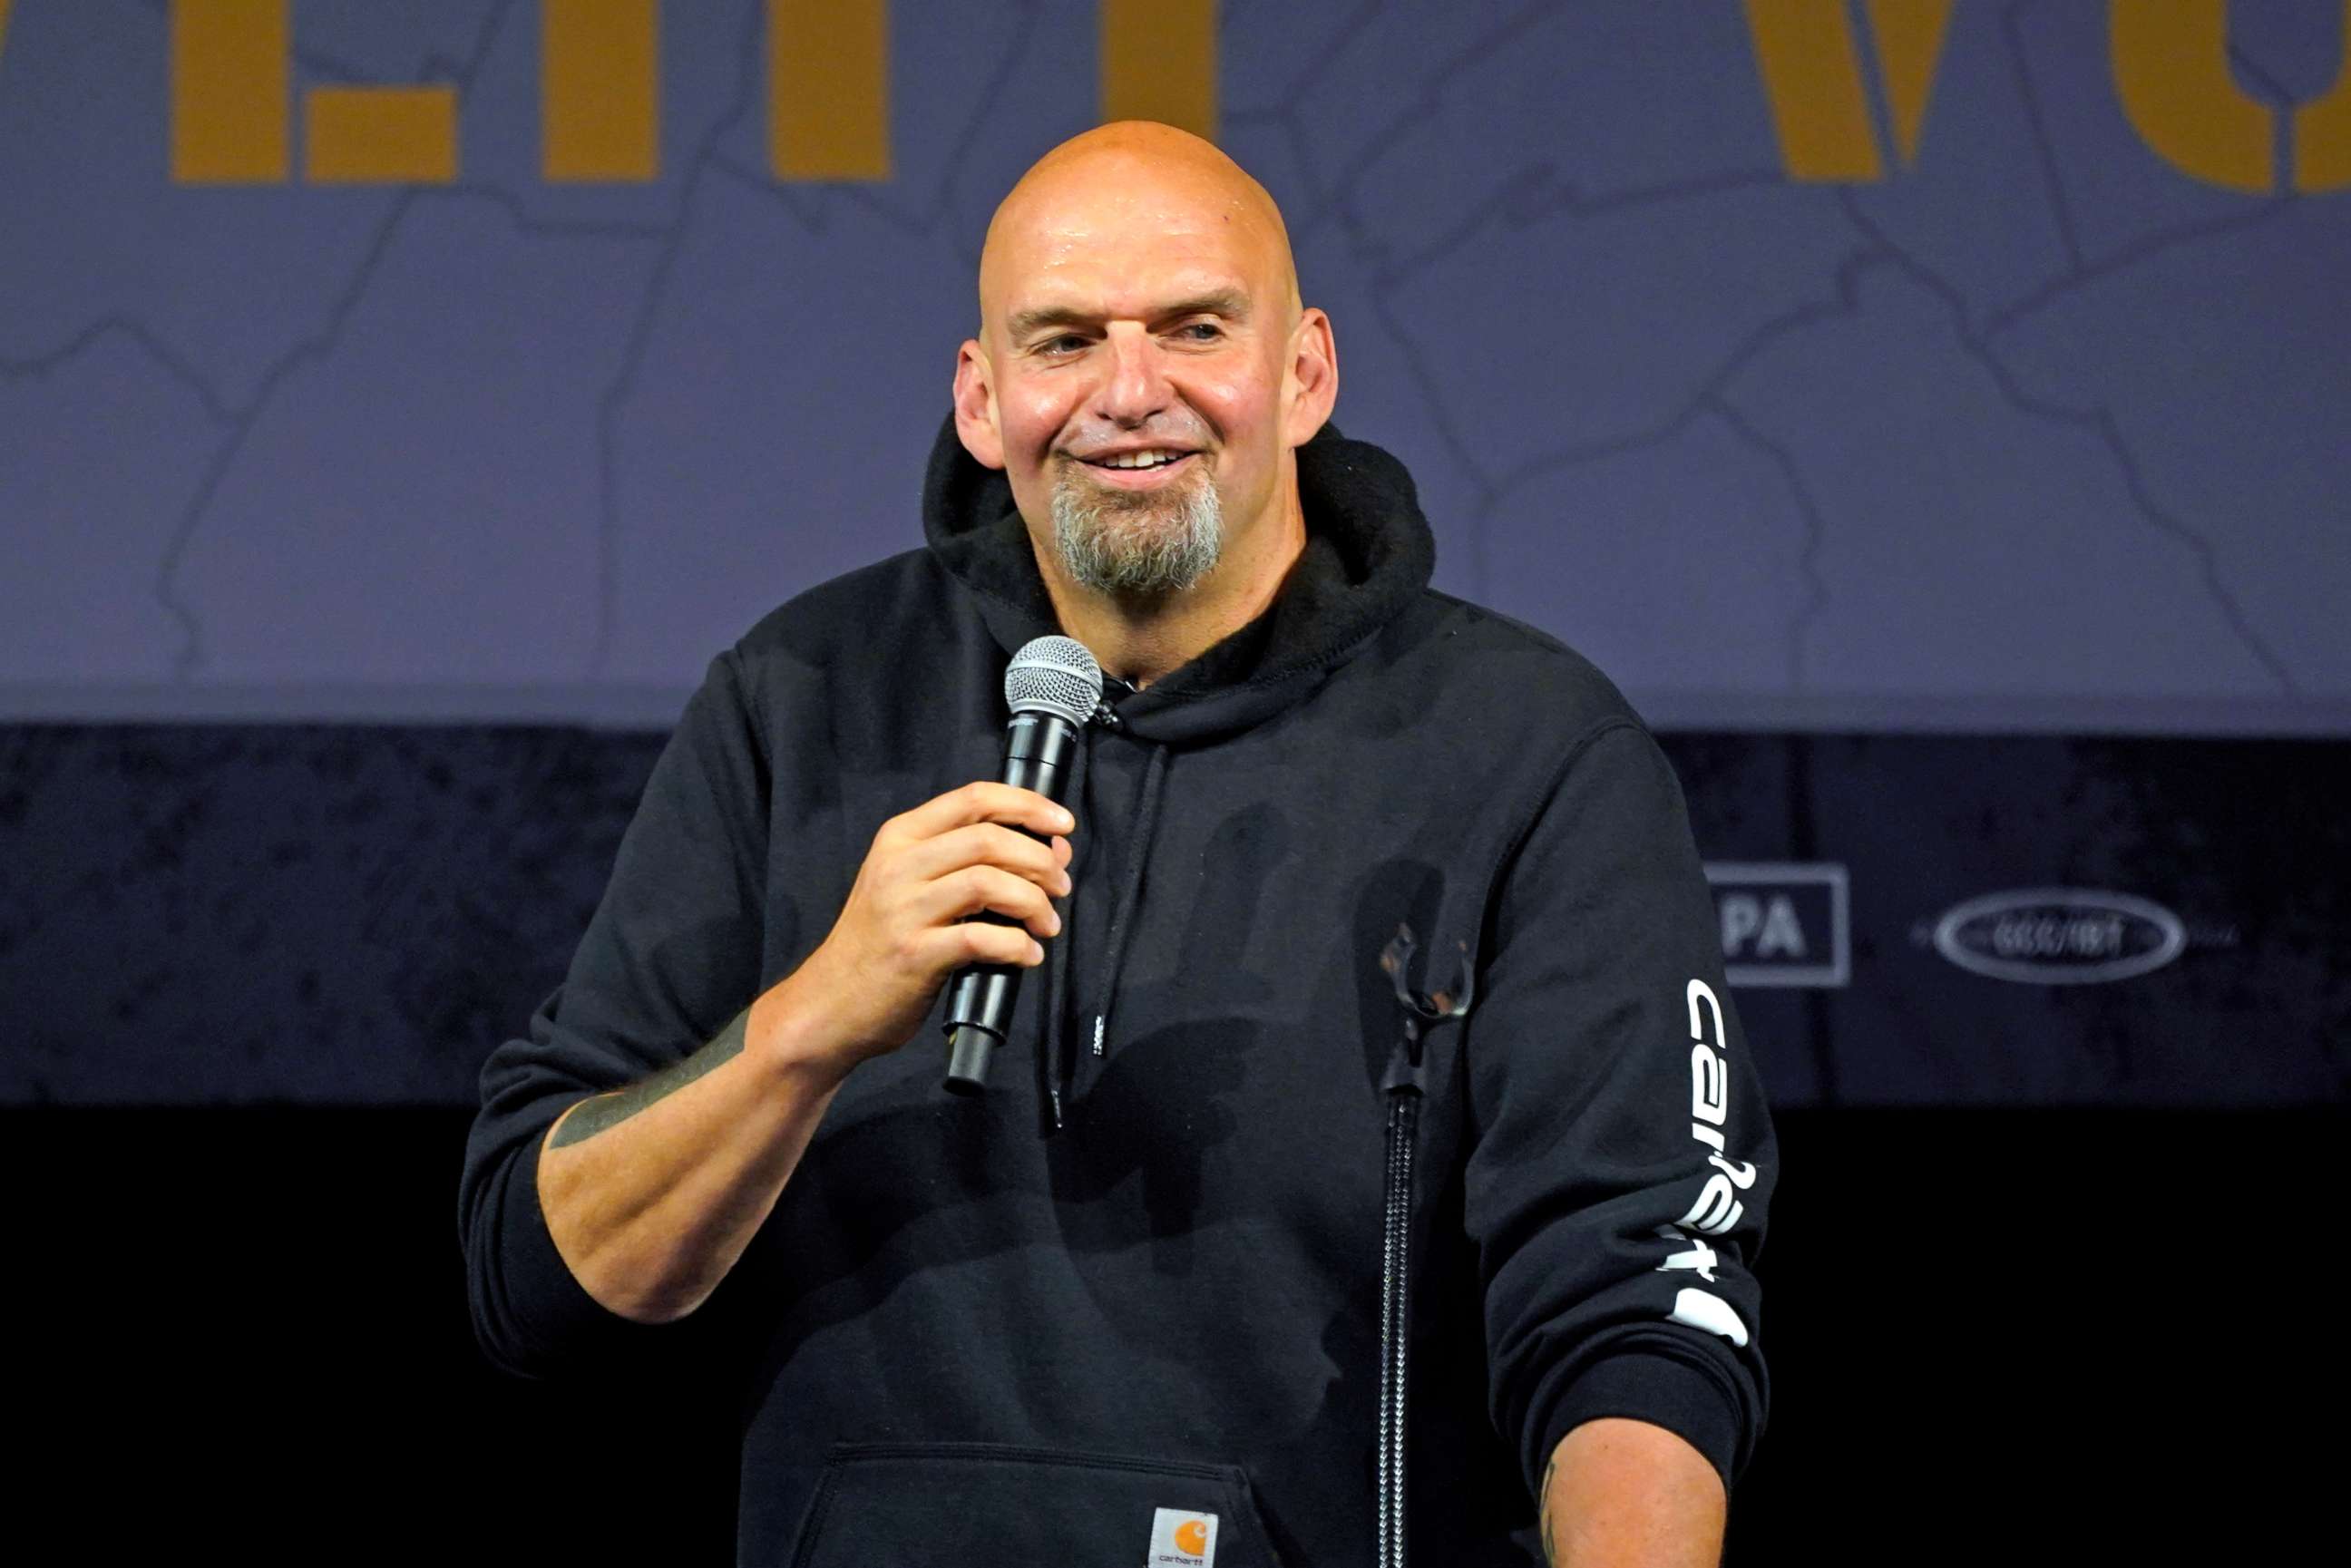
1129, 1304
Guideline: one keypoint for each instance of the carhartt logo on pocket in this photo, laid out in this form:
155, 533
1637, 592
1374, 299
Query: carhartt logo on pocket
1182, 1539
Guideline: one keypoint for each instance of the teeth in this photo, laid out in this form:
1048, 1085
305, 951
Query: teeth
1141, 460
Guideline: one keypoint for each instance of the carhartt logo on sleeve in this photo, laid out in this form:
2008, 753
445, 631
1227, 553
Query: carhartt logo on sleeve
1180, 1539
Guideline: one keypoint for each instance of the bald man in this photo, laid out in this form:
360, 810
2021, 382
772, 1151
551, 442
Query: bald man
1127, 1305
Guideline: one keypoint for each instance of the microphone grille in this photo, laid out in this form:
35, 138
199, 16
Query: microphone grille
1057, 675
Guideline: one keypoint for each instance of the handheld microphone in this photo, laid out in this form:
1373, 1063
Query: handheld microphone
1052, 688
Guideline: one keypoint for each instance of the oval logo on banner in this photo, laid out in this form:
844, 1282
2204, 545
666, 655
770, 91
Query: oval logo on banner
2060, 935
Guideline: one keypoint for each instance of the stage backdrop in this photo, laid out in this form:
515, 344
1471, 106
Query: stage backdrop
1937, 415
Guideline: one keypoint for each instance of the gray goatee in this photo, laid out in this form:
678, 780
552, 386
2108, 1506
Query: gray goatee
1139, 546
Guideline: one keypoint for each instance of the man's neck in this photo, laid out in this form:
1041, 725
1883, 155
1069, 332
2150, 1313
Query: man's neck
1139, 640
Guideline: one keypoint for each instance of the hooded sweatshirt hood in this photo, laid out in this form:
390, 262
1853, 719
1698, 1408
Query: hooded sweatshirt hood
1368, 554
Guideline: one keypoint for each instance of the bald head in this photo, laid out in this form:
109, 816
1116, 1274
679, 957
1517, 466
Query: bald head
1134, 179
1143, 373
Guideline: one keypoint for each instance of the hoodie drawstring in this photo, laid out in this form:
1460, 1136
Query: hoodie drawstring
1122, 919
1053, 1053
1056, 1062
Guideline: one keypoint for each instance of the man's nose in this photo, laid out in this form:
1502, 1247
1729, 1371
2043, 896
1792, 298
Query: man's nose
1136, 385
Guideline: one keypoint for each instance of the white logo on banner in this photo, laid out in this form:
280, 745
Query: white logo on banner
1784, 923
2060, 935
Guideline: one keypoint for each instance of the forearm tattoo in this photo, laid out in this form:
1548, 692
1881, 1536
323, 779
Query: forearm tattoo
1542, 1503
593, 1116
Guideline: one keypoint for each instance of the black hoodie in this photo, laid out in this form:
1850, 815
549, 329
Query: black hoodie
969, 1335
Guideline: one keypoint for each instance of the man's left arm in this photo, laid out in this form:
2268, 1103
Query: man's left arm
1621, 1494
1622, 1164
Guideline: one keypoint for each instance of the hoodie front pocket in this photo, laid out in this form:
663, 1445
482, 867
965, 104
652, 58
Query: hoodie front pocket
973, 1505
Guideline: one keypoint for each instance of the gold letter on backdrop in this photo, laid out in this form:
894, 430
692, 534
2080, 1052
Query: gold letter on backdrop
1159, 62
380, 135
229, 91
1811, 76
1805, 52
2171, 71
828, 89
1910, 37
2322, 130
599, 90
3, 25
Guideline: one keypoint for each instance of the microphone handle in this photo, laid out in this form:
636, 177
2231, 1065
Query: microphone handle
1038, 750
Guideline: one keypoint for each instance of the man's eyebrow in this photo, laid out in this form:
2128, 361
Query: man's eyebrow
1028, 321
1230, 303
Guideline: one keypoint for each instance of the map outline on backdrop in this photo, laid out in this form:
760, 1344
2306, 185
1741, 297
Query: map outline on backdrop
1807, 367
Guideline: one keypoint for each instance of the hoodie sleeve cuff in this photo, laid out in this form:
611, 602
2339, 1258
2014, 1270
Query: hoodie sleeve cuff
1644, 1386
568, 1324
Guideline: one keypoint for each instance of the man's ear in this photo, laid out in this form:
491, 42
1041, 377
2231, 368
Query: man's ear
1312, 378
975, 406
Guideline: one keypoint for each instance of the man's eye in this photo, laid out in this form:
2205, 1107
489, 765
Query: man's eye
1061, 343
1201, 332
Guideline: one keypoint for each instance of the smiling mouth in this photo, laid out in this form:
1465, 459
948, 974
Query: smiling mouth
1149, 470
1137, 461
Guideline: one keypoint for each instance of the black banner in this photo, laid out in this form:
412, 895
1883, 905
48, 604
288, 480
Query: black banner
341, 914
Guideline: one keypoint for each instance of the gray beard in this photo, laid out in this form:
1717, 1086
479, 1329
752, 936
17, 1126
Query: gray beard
1131, 547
